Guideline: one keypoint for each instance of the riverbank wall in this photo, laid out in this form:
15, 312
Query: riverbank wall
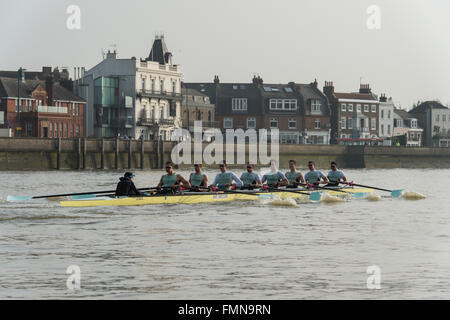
113, 154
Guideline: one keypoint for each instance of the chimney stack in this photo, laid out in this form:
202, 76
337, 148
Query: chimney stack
314, 84
49, 87
383, 97
364, 88
328, 89
216, 79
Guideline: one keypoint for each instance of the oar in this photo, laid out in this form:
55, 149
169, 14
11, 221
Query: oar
24, 198
313, 196
356, 195
394, 193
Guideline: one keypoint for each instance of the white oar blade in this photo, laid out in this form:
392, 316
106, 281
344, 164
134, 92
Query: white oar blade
18, 198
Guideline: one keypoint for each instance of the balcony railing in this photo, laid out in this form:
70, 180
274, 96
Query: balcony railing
160, 94
156, 122
52, 109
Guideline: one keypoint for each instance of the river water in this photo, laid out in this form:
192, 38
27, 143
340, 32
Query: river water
240, 250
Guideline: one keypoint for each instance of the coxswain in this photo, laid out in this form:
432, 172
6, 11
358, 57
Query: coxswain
171, 181
294, 177
314, 176
251, 179
274, 178
224, 180
126, 186
198, 178
335, 176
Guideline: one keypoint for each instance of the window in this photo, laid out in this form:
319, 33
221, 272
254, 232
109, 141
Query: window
366, 108
444, 118
389, 129
382, 129
161, 113
153, 84
343, 123
228, 123
143, 83
239, 104
273, 123
71, 130
235, 86
77, 132
315, 106
343, 107
292, 124
374, 108
283, 104
373, 123
437, 117
60, 130
161, 85
358, 107
251, 123
414, 124
174, 86
350, 108
50, 134
317, 124
382, 114
288, 89
350, 123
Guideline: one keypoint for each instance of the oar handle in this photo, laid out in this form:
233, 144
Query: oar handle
364, 186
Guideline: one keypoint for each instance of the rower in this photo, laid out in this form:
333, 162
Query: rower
274, 178
224, 179
171, 180
198, 178
126, 186
314, 176
294, 177
251, 179
335, 176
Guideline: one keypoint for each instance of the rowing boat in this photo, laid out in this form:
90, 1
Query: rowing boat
207, 197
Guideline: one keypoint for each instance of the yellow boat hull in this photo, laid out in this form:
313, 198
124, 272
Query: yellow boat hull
196, 198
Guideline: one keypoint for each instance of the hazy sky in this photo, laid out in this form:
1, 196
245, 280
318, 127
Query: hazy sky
297, 40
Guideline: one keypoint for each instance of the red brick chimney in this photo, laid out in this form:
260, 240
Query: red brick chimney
365, 88
49, 87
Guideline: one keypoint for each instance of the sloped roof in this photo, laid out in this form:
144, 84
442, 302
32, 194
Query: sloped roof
159, 52
8, 88
425, 106
354, 95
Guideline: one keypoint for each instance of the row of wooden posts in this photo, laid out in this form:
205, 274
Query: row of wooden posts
82, 154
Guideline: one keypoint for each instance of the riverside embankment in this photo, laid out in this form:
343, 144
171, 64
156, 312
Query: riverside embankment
93, 154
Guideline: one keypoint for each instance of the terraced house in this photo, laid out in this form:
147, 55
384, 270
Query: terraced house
354, 116
42, 109
299, 111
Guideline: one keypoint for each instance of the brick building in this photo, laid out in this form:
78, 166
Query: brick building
354, 116
46, 109
299, 111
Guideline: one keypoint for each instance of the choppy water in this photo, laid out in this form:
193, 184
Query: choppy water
245, 250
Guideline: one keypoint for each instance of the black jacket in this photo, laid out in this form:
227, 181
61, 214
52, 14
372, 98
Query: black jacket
126, 187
